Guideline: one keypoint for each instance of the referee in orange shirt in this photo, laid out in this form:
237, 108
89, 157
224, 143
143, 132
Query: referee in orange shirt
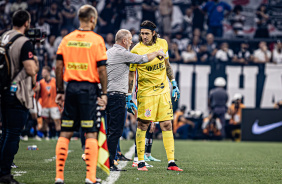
82, 55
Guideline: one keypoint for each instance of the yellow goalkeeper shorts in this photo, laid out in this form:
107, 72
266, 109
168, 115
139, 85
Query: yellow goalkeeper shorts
155, 108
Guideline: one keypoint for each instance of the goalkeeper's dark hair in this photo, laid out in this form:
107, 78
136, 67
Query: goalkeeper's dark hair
150, 25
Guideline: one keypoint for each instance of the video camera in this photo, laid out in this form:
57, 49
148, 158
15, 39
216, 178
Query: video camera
35, 35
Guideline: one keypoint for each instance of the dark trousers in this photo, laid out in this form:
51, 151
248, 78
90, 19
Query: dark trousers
14, 118
219, 112
217, 31
115, 121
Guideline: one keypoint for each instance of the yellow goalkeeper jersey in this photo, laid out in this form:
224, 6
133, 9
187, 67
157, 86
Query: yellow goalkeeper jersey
152, 77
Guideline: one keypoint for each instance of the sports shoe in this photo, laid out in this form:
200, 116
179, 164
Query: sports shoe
98, 180
142, 166
24, 138
83, 157
59, 181
88, 181
121, 157
114, 168
37, 138
148, 165
134, 164
8, 179
14, 166
150, 158
173, 167
146, 158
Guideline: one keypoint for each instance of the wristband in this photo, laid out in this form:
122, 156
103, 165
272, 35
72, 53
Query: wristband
60, 92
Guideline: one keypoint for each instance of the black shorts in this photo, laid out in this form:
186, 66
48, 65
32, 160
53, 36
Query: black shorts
81, 108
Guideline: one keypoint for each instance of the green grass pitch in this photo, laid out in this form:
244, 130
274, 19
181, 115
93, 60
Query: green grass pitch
202, 161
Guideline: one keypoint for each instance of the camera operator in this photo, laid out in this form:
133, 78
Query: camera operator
17, 98
235, 111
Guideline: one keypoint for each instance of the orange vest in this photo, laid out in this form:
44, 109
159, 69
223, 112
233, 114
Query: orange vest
233, 120
81, 50
48, 93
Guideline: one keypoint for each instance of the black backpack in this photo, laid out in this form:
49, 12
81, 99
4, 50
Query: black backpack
5, 64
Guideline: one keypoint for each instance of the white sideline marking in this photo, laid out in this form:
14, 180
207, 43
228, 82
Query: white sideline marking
54, 158
18, 173
115, 175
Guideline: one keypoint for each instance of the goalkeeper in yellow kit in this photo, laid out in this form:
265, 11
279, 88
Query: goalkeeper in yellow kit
153, 96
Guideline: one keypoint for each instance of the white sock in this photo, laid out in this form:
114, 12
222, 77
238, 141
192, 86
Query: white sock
141, 161
135, 159
171, 161
148, 154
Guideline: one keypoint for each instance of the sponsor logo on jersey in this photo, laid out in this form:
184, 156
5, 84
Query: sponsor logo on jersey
80, 35
148, 113
77, 66
30, 55
79, 44
48, 88
161, 86
155, 67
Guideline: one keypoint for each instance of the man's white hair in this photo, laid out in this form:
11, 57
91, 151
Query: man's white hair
121, 34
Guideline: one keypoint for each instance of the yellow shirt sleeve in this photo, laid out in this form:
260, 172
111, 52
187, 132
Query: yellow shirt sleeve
166, 49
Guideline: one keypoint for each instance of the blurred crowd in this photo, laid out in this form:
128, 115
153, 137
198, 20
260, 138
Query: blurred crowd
195, 40
191, 41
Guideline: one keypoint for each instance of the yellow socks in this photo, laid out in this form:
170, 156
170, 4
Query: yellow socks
168, 144
91, 158
61, 156
140, 143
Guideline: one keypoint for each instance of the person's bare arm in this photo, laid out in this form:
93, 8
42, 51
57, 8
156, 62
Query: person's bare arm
130, 81
266, 58
102, 70
30, 67
60, 98
169, 71
59, 75
140, 59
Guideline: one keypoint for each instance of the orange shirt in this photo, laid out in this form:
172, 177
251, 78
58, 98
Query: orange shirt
48, 93
81, 52
237, 117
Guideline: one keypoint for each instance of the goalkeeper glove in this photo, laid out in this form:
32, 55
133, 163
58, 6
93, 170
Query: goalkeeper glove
175, 90
130, 105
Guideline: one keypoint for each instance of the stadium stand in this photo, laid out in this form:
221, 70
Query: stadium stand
250, 31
